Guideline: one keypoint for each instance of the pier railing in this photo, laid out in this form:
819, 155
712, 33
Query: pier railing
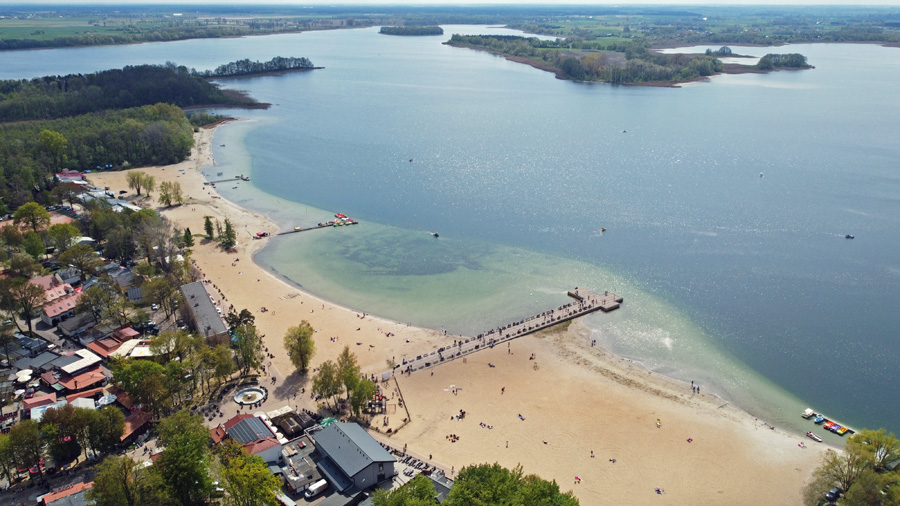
585, 302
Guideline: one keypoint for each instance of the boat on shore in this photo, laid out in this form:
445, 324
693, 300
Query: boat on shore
814, 437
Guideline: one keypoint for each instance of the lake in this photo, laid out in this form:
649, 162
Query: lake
725, 203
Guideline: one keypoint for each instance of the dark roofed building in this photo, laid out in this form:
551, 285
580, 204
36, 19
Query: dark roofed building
200, 312
352, 457
253, 434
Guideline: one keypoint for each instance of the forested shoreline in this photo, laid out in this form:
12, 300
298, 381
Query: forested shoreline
118, 118
411, 30
617, 63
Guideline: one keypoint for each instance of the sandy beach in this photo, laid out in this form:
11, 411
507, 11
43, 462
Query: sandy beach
573, 398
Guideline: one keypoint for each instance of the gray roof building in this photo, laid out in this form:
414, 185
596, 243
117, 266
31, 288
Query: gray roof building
200, 312
352, 457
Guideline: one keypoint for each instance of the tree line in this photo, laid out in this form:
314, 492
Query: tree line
776, 61
640, 64
53, 97
411, 30
246, 67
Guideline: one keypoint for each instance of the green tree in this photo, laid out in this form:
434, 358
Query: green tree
23, 298
491, 484
55, 144
348, 369
145, 382
62, 235
229, 237
149, 183
7, 457
221, 362
299, 343
24, 265
188, 238
248, 348
235, 320
59, 430
184, 464
163, 292
327, 381
361, 393
208, 228
416, 492
120, 481
11, 235
106, 429
95, 300
26, 443
83, 258
136, 180
32, 215
879, 447
859, 471
249, 482
34, 245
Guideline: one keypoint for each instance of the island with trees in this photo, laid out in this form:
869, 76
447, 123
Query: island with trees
631, 62
245, 67
411, 30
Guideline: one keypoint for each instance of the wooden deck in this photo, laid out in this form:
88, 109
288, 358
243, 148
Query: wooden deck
585, 302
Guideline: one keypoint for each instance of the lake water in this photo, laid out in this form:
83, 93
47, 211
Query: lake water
725, 203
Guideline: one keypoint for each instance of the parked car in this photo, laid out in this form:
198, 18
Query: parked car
154, 307
833, 495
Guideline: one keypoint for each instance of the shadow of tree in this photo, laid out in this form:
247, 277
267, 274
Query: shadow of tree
291, 385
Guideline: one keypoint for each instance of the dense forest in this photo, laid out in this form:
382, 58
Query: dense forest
30, 152
129, 117
133, 86
246, 67
624, 63
411, 30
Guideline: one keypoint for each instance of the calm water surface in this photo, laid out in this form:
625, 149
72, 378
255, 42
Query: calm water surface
725, 203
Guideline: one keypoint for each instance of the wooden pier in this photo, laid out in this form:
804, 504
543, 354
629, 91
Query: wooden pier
317, 227
586, 302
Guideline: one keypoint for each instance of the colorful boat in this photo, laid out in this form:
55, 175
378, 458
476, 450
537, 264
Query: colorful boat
814, 437
819, 419
828, 424
842, 431
834, 428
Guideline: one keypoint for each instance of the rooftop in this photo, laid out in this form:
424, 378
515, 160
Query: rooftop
351, 447
206, 318
86, 358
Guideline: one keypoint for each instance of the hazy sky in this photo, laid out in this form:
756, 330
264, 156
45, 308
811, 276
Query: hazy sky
475, 2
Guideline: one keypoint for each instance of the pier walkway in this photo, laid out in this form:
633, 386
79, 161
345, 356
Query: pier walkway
586, 302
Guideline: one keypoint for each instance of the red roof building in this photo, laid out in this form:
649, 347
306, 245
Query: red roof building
77, 488
36, 402
84, 380
135, 422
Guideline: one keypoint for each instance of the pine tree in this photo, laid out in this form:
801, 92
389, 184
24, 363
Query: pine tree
208, 227
188, 238
230, 237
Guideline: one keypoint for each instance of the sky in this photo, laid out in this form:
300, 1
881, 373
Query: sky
467, 2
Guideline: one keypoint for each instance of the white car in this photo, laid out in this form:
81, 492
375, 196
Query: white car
154, 307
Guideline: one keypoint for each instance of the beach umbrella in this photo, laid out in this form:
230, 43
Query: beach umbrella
327, 421
19, 392
106, 400
25, 372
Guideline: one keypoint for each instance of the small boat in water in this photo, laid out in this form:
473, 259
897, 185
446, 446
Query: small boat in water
813, 436
435, 234
819, 419
849, 236
809, 413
